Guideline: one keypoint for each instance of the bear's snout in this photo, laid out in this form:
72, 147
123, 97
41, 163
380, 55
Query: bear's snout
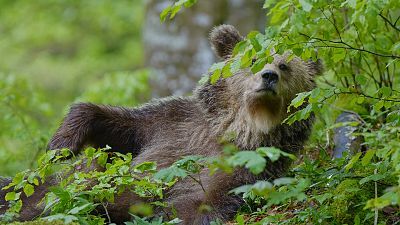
269, 79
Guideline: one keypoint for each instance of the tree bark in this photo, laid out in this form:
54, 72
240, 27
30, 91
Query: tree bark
178, 51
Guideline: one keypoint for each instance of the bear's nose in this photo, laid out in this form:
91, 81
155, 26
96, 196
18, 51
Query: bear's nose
270, 77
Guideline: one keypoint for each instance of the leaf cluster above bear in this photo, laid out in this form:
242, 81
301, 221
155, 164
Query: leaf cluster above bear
252, 106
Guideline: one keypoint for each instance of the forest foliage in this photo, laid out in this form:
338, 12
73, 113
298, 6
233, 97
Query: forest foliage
359, 44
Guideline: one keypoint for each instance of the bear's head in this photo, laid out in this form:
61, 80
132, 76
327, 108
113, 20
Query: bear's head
259, 100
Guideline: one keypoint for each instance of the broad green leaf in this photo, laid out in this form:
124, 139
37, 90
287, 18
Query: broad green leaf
145, 167
361, 79
368, 157
322, 198
284, 181
386, 91
61, 193
273, 153
215, 76
170, 173
268, 3
258, 66
79, 209
352, 161
306, 5
28, 190
102, 159
241, 189
338, 55
297, 51
262, 187
378, 203
240, 220
164, 13
379, 105
373, 177
63, 217
175, 9
250, 160
12, 196
299, 100
226, 70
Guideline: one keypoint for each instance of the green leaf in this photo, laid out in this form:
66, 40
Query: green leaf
61, 216
240, 220
250, 159
215, 76
386, 91
89, 152
297, 51
379, 105
262, 187
226, 70
169, 174
353, 160
246, 59
102, 159
368, 157
258, 66
299, 100
256, 45
378, 203
240, 47
175, 9
322, 198
273, 153
164, 13
145, 167
373, 177
61, 193
12, 196
28, 190
284, 181
241, 189
338, 55
361, 79
306, 5
268, 3
79, 209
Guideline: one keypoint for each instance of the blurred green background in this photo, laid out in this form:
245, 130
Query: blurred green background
53, 53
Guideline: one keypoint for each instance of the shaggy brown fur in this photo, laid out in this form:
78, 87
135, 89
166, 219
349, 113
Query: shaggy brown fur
250, 105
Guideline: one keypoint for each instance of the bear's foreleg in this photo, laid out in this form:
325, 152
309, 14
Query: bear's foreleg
97, 125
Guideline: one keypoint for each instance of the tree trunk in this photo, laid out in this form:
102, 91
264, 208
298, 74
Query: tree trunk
178, 51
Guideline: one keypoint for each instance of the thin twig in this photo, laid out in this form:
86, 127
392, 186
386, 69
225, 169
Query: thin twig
347, 46
368, 96
105, 209
397, 20
361, 50
376, 196
389, 22
198, 181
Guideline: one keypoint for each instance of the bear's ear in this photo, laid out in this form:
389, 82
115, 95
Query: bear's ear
223, 39
315, 68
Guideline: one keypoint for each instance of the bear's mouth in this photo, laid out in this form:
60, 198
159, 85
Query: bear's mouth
267, 91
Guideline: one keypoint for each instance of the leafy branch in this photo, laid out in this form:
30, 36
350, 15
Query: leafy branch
393, 25
346, 46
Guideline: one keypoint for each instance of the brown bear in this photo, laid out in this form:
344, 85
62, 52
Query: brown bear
252, 106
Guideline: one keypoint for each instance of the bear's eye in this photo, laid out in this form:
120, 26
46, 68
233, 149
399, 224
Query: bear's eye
283, 66
253, 61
